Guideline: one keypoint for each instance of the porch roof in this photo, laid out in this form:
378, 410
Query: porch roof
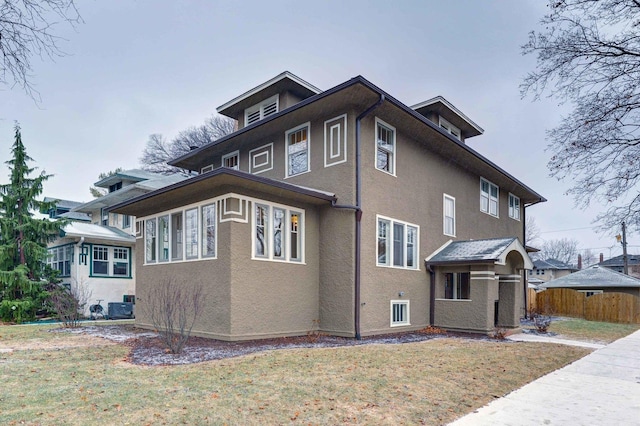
493, 250
207, 185
96, 232
594, 277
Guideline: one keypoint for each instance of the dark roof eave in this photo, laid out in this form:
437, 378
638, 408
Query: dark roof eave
361, 80
459, 262
232, 172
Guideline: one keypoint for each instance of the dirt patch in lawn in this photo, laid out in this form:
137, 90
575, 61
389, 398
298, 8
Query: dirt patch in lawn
146, 348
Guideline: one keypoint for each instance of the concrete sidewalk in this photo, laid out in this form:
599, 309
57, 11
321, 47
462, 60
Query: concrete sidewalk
602, 388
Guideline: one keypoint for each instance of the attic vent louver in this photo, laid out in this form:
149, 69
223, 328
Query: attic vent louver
261, 110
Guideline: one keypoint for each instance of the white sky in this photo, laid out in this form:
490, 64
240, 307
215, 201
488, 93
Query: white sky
141, 67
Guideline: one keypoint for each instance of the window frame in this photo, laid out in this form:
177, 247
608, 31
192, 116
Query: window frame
391, 241
489, 198
230, 155
307, 149
456, 287
445, 198
406, 312
60, 258
291, 234
515, 210
393, 152
110, 261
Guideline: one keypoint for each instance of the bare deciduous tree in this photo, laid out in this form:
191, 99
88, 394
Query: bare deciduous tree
158, 151
27, 30
69, 303
532, 232
589, 56
173, 306
563, 249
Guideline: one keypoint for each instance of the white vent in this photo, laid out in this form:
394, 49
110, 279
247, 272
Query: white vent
261, 110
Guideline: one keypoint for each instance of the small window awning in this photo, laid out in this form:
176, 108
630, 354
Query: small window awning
494, 250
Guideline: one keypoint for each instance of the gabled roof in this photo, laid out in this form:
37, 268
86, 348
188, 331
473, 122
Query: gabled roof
552, 264
632, 259
199, 187
96, 232
443, 107
493, 250
594, 277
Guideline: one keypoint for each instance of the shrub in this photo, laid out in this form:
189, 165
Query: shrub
68, 303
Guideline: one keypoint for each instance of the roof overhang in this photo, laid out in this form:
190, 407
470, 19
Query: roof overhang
214, 183
448, 111
359, 93
285, 81
96, 233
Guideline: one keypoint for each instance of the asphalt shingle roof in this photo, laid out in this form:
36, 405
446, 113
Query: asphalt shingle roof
472, 251
594, 277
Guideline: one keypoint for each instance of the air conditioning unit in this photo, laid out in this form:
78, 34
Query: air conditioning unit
120, 310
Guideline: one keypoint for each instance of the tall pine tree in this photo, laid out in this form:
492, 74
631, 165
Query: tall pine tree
23, 239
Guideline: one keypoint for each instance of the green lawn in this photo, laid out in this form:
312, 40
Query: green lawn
63, 380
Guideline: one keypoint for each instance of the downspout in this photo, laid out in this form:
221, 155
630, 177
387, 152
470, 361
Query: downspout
79, 245
432, 293
526, 273
358, 215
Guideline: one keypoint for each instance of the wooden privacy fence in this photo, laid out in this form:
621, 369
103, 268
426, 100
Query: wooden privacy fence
607, 307
531, 300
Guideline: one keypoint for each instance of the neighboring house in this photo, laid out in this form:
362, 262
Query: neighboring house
62, 209
98, 257
319, 212
597, 279
550, 269
617, 264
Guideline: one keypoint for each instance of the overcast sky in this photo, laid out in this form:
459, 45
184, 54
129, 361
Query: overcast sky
140, 67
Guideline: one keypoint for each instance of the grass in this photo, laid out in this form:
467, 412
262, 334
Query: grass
432, 382
581, 329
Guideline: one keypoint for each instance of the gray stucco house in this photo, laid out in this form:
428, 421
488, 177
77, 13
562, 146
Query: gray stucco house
342, 210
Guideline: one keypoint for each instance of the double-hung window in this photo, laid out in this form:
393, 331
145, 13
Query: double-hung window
150, 243
488, 197
191, 231
277, 233
514, 207
110, 261
385, 147
209, 230
297, 142
163, 237
120, 262
457, 285
126, 221
449, 215
60, 259
100, 260
397, 244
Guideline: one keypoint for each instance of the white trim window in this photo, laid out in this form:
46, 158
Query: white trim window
385, 147
231, 160
514, 207
60, 259
163, 238
297, 145
399, 313
191, 233
126, 221
450, 128
150, 242
457, 285
206, 169
398, 243
176, 236
489, 194
449, 215
261, 110
278, 233
209, 230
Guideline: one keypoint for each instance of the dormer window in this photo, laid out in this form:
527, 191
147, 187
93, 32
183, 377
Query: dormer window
261, 110
115, 186
232, 160
453, 130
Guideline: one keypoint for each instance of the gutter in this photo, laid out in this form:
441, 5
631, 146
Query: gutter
358, 215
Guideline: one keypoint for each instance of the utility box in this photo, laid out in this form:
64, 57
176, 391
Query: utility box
120, 310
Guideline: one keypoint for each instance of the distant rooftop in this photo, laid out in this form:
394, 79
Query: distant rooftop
594, 277
552, 264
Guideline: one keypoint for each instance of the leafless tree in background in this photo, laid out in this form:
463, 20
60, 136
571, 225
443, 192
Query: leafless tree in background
158, 151
589, 56
69, 303
532, 232
173, 306
563, 249
27, 30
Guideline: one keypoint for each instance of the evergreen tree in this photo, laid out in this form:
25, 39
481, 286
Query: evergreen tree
23, 239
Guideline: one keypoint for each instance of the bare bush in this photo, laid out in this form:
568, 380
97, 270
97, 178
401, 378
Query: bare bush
69, 303
172, 306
